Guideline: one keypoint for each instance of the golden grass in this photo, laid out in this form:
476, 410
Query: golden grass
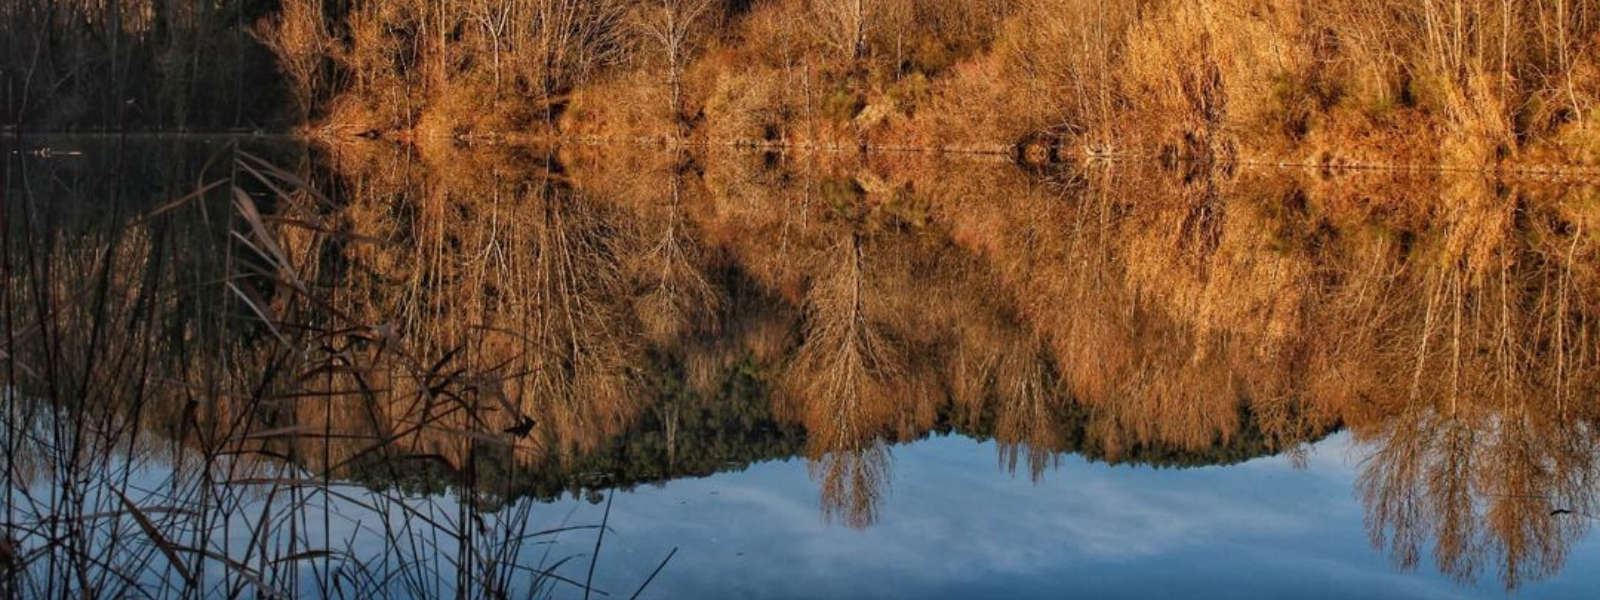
1471, 84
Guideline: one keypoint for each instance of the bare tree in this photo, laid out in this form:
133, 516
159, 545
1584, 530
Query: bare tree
845, 25
668, 25
568, 39
493, 16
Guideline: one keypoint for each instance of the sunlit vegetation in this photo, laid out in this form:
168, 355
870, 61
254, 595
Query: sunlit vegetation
442, 329
1350, 82
1470, 83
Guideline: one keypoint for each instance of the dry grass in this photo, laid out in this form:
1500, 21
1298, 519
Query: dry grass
1476, 83
1466, 84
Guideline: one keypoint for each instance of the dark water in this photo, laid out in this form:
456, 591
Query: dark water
245, 367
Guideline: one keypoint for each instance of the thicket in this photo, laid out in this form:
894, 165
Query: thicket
1464, 82
1343, 81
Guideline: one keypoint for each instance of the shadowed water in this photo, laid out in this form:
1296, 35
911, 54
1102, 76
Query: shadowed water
253, 368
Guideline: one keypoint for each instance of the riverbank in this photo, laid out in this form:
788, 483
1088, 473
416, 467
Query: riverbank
1344, 84
1481, 86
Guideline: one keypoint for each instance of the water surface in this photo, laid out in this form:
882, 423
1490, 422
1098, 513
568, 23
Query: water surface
247, 366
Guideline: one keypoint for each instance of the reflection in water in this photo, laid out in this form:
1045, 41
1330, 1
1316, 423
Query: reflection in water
513, 325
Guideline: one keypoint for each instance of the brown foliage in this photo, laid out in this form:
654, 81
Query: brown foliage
1478, 83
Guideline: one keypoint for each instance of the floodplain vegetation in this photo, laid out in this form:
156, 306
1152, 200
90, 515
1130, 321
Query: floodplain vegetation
1421, 83
1463, 83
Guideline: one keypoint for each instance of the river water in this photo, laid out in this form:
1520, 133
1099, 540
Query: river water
246, 366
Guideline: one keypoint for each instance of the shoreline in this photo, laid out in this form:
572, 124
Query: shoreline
1021, 154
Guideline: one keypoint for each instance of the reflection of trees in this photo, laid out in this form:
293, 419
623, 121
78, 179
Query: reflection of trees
853, 482
499, 300
558, 329
678, 298
1126, 316
1190, 313
1028, 412
578, 354
1486, 490
1140, 318
1480, 448
1123, 300
845, 372
848, 380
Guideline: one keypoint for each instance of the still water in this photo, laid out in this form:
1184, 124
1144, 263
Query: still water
246, 367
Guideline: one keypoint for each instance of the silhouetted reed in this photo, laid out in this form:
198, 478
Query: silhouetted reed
196, 406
